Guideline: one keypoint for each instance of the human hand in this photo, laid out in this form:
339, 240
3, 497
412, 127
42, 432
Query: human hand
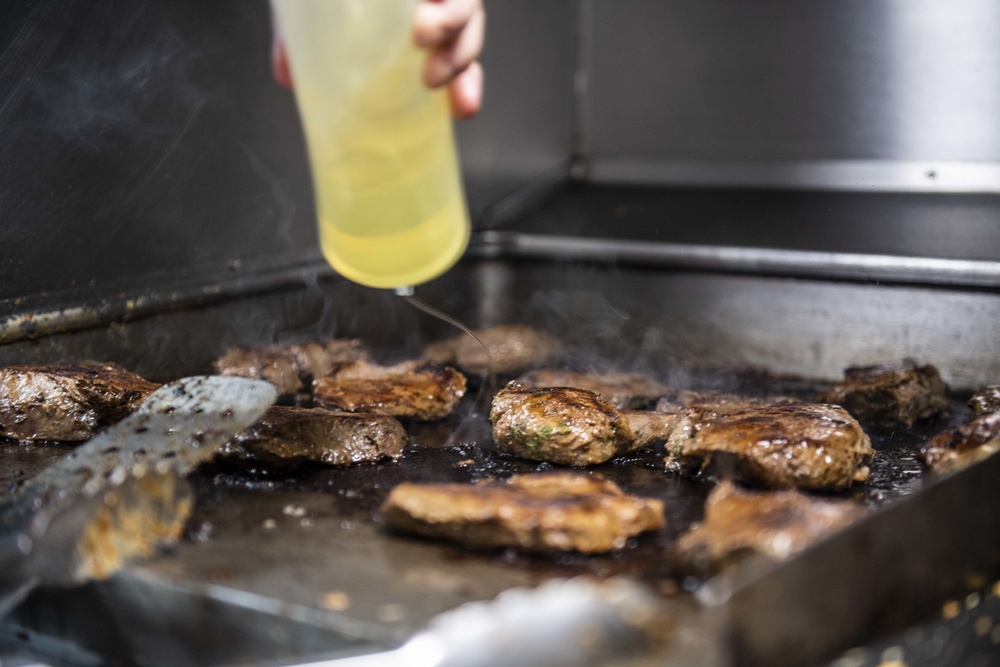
452, 31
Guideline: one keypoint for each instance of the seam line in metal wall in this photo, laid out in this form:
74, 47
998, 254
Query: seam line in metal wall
581, 84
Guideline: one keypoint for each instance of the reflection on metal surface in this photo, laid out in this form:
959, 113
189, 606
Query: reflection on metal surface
573, 622
758, 261
836, 175
32, 321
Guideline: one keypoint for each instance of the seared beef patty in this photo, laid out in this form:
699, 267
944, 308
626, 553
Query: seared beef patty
573, 427
291, 367
543, 512
288, 435
985, 401
804, 445
412, 390
969, 443
891, 395
777, 524
67, 402
624, 390
513, 348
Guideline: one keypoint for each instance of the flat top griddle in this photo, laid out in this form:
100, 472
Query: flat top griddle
305, 544
461, 449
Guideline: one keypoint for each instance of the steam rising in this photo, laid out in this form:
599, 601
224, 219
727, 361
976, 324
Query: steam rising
105, 105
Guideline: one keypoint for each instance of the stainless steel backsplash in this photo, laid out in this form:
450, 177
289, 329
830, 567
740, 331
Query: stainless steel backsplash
144, 143
895, 94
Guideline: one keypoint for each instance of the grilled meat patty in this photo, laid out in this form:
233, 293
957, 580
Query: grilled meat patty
891, 395
289, 435
777, 524
712, 404
292, 367
68, 403
412, 389
961, 447
542, 512
624, 390
805, 445
512, 348
985, 401
572, 427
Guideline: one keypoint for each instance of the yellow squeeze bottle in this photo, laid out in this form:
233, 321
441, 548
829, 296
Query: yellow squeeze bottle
389, 196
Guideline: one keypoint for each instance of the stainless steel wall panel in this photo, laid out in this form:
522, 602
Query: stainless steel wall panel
141, 141
145, 142
725, 81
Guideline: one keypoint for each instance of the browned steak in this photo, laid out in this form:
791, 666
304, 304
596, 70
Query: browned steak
543, 512
985, 401
412, 389
777, 524
572, 427
889, 395
969, 443
291, 368
714, 404
67, 402
289, 435
624, 390
804, 445
512, 348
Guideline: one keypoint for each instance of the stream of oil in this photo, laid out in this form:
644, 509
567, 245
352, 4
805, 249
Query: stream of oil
489, 383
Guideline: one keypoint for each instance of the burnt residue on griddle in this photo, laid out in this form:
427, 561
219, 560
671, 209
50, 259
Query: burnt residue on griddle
896, 470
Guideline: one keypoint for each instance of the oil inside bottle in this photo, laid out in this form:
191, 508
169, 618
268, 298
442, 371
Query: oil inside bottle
388, 190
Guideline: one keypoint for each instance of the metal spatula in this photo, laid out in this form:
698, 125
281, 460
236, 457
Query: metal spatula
121, 495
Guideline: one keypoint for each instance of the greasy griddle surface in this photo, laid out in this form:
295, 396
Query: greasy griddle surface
461, 450
307, 541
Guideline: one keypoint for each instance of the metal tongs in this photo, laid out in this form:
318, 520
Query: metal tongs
121, 495
563, 623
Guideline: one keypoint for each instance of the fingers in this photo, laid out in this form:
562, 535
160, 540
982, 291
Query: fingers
466, 92
438, 22
453, 30
450, 58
